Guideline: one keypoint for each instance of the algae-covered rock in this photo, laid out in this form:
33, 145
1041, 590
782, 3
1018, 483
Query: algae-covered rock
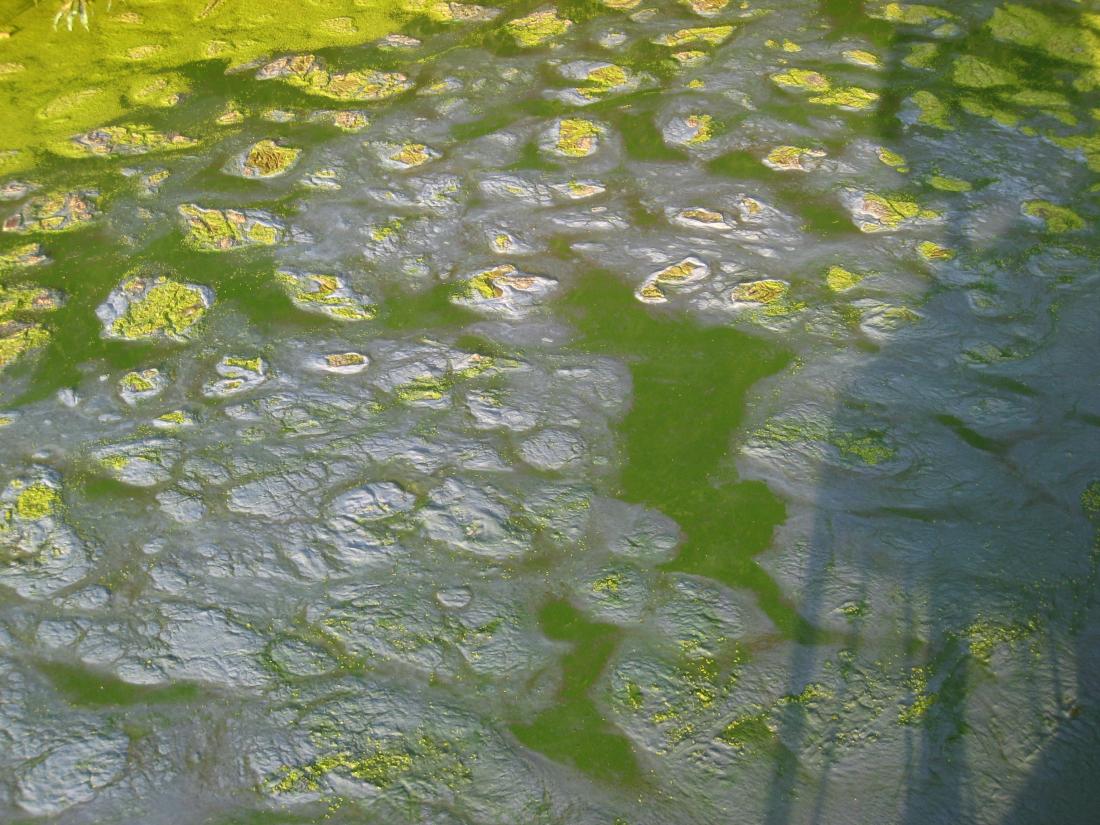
1055, 218
839, 279
537, 28
689, 130
703, 35
342, 363
932, 111
406, 155
142, 463
153, 307
792, 158
892, 159
55, 213
574, 137
804, 80
682, 272
327, 294
932, 251
219, 230
138, 139
599, 80
265, 159
860, 57
309, 73
23, 299
849, 98
237, 374
872, 212
974, 73
699, 217
141, 385
946, 183
505, 290
767, 291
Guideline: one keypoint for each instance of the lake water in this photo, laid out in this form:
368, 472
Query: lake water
630, 412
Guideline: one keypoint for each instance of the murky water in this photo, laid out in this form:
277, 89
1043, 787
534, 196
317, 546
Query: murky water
616, 413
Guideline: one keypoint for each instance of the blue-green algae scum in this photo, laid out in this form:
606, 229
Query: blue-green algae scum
593, 412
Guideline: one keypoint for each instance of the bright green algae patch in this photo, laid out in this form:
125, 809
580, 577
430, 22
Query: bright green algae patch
689, 388
574, 730
73, 82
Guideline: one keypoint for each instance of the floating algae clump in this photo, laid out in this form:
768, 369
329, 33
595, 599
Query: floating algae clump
535, 29
933, 111
839, 279
684, 272
576, 137
327, 294
137, 139
767, 291
932, 251
802, 79
213, 230
267, 159
307, 72
882, 213
1058, 219
709, 35
410, 155
1031, 28
852, 98
153, 308
974, 73
791, 158
36, 501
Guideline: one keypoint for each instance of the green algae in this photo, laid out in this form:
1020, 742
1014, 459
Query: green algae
839, 279
36, 501
802, 79
574, 730
86, 687
1057, 219
974, 73
933, 111
869, 448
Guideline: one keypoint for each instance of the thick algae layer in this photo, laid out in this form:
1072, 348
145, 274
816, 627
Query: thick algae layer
72, 82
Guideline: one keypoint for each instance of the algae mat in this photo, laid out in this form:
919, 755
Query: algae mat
622, 412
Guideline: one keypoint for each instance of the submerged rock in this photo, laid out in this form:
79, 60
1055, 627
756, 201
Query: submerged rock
872, 212
573, 137
687, 271
537, 28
